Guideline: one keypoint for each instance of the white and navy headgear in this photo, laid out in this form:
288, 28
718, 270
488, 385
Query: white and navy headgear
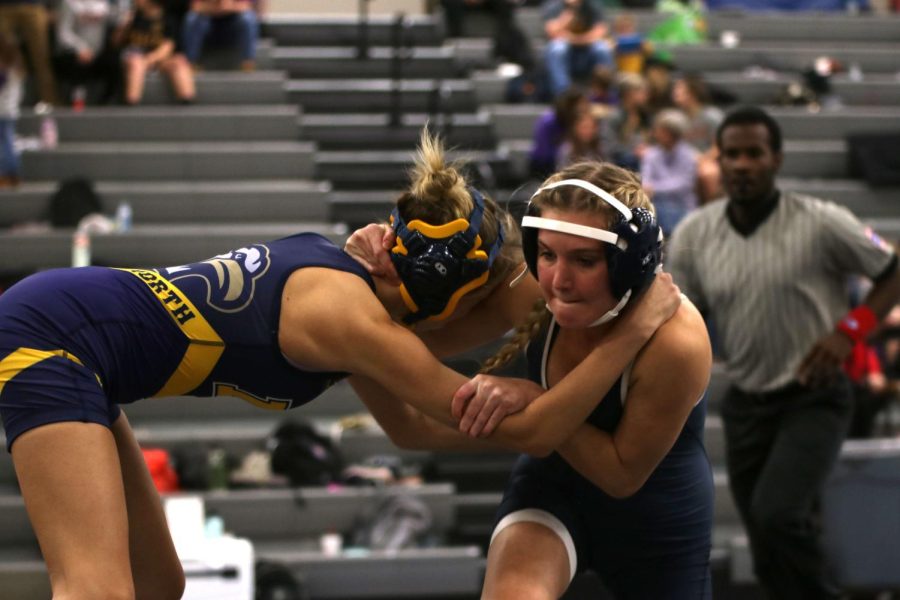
438, 264
633, 243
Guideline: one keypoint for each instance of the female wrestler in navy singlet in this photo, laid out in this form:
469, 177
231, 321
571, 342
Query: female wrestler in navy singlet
271, 323
630, 494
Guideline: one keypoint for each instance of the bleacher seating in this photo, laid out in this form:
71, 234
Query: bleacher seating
310, 141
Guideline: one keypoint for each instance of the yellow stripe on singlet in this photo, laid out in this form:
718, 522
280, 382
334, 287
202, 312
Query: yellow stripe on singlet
205, 347
22, 358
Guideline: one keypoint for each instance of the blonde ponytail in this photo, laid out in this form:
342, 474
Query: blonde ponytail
524, 333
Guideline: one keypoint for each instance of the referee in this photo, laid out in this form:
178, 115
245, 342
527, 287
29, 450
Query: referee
771, 269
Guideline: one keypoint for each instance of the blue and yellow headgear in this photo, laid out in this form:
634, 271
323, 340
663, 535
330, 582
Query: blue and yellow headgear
438, 264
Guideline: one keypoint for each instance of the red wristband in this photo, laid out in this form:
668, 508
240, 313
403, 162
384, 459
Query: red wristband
858, 323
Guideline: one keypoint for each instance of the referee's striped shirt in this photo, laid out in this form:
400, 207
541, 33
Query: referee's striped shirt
776, 292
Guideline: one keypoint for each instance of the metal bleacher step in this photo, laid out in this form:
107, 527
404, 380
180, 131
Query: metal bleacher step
863, 200
389, 169
710, 57
201, 123
820, 27
358, 207
187, 202
439, 572
804, 158
281, 514
780, 55
380, 95
753, 85
342, 62
223, 87
277, 521
147, 245
510, 121
775, 26
762, 86
369, 131
300, 30
123, 161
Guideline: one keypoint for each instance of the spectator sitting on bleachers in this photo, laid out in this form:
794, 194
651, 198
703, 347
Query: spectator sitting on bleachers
226, 22
84, 49
658, 74
631, 48
582, 141
602, 89
148, 44
550, 129
669, 170
576, 43
29, 19
690, 94
629, 124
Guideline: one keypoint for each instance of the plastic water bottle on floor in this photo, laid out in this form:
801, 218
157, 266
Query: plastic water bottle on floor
123, 217
79, 97
49, 132
81, 249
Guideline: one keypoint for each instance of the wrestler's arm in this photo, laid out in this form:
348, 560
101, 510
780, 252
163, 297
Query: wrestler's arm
668, 378
330, 320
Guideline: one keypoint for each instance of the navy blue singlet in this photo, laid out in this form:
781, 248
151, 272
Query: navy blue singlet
75, 343
654, 544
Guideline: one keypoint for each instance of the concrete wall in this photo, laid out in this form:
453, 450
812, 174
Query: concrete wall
346, 7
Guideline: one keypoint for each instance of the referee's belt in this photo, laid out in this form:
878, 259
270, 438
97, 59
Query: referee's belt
791, 389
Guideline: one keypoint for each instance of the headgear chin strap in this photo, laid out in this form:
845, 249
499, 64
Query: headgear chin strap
633, 245
439, 264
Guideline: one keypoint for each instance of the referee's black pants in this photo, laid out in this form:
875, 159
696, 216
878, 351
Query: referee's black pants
781, 446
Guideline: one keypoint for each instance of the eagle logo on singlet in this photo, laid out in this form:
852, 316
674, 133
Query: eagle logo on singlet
230, 277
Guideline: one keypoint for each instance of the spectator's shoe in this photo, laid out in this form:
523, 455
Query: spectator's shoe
248, 66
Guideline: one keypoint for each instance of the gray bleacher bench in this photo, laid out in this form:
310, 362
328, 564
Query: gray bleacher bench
148, 245
187, 202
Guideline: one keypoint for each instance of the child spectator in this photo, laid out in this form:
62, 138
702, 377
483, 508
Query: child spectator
12, 75
149, 44
669, 170
631, 49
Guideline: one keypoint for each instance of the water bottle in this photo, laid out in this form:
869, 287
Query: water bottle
79, 97
123, 217
49, 132
81, 249
217, 462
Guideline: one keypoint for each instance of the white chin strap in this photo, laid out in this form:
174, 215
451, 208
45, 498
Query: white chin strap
612, 313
